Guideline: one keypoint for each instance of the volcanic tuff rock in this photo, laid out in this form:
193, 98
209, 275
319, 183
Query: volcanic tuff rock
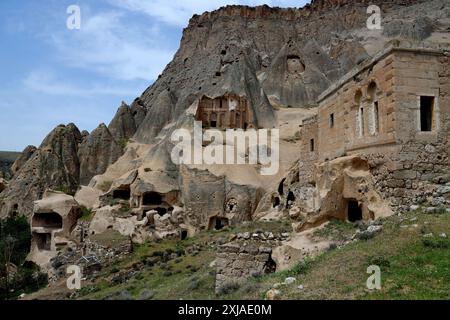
26, 154
54, 165
271, 56
97, 152
123, 124
6, 161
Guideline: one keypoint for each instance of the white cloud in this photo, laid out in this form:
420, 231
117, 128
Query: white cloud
178, 12
110, 44
46, 82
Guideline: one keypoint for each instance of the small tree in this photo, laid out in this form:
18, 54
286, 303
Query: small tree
8, 249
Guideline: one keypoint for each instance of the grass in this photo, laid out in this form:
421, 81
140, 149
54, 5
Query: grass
335, 230
413, 263
86, 214
105, 186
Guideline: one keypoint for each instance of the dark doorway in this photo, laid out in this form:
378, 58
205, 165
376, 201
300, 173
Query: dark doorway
43, 241
270, 266
290, 199
290, 196
354, 211
184, 234
161, 211
123, 194
426, 113
49, 220
151, 198
276, 202
281, 187
213, 124
218, 223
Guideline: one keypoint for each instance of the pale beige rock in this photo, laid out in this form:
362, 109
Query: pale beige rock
54, 217
88, 197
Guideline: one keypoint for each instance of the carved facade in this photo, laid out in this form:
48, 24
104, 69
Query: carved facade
227, 112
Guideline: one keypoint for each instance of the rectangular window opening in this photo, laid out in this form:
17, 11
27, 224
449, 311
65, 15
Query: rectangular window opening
361, 122
312, 147
376, 117
426, 113
332, 120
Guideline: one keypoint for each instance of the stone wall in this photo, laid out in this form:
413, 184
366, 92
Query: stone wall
309, 150
422, 162
239, 260
374, 112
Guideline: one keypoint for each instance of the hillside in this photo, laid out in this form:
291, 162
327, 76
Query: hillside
7, 159
412, 251
359, 156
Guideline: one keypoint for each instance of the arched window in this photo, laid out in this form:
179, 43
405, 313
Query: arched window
359, 114
374, 108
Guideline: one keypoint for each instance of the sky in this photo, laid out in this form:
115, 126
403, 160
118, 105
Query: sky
51, 75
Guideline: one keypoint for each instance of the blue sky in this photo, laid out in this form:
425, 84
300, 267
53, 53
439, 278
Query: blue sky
51, 75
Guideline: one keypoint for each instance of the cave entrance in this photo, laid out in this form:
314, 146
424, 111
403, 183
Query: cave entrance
123, 194
151, 199
276, 202
50, 220
161, 211
43, 241
354, 211
184, 234
270, 266
290, 199
217, 223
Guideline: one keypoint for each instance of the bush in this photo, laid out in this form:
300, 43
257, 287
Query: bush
15, 236
86, 214
105, 186
228, 287
379, 261
436, 243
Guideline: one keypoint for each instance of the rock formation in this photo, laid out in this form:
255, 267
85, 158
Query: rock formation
54, 165
275, 62
54, 218
26, 154
96, 152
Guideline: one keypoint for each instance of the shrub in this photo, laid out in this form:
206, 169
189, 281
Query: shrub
105, 186
86, 214
436, 243
379, 261
228, 287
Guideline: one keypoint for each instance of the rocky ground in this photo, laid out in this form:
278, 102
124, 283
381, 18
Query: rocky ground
412, 250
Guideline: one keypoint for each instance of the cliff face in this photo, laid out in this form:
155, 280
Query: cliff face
65, 159
289, 56
274, 57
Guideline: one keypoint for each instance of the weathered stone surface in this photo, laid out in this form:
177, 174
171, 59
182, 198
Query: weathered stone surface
236, 261
97, 152
271, 59
26, 154
123, 125
53, 220
54, 165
